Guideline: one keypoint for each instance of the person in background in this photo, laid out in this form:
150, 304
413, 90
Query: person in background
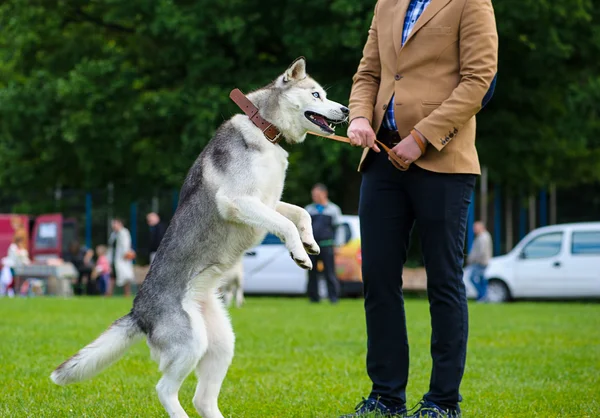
6, 278
17, 255
121, 264
81, 258
157, 231
478, 259
17, 250
326, 216
102, 269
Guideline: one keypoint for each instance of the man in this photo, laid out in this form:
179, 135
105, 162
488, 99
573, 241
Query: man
81, 258
428, 67
119, 248
479, 257
157, 231
326, 216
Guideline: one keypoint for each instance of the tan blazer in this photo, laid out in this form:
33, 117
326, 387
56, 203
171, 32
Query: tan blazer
439, 77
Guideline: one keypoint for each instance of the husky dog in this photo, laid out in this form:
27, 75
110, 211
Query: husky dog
229, 201
232, 285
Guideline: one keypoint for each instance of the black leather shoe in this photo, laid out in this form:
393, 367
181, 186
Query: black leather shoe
426, 409
374, 408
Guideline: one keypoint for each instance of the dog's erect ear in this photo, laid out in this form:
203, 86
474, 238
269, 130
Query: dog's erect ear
296, 71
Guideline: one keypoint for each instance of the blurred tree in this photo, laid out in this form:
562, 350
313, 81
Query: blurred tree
541, 126
130, 92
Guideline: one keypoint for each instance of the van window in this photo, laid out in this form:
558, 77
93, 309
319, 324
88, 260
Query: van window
47, 236
543, 246
585, 242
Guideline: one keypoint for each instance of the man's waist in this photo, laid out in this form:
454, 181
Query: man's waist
326, 242
391, 138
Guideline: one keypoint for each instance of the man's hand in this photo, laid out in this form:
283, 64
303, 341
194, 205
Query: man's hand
361, 134
408, 150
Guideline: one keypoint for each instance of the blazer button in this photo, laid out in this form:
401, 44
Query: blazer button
398, 77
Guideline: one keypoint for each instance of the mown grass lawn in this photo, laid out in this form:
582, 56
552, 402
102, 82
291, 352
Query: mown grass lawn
298, 360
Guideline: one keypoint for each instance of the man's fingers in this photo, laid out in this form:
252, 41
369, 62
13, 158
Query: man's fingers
373, 144
402, 157
352, 136
359, 139
363, 138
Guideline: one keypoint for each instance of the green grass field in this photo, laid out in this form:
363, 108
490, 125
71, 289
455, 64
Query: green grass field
298, 360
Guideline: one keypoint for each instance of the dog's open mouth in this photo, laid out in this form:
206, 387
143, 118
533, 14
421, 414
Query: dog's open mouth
321, 121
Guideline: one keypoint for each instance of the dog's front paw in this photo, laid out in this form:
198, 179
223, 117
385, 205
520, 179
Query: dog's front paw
302, 261
312, 247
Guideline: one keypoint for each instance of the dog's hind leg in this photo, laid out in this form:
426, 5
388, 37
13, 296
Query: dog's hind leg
237, 288
252, 212
214, 364
227, 296
178, 346
301, 218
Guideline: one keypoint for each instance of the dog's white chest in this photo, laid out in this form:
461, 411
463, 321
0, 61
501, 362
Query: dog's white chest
270, 175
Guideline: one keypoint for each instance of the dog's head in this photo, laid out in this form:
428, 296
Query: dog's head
302, 104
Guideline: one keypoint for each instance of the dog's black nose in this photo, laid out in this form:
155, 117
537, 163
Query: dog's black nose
345, 110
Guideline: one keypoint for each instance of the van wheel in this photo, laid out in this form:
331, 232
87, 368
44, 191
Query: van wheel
497, 291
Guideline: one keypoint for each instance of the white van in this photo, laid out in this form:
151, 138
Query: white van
558, 261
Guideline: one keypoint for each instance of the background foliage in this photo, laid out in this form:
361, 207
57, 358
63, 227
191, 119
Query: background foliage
130, 92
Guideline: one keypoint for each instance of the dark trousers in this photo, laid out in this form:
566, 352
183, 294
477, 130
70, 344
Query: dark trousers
84, 273
333, 286
391, 201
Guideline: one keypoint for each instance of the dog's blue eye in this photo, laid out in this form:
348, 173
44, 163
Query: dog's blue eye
317, 95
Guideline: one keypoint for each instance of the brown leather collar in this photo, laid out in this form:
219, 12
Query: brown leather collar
274, 135
268, 129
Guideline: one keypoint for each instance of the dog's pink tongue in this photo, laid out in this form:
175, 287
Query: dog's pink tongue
320, 119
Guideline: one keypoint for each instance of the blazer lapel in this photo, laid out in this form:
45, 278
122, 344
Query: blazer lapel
431, 10
399, 15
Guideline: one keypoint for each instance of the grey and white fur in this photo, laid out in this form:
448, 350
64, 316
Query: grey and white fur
229, 201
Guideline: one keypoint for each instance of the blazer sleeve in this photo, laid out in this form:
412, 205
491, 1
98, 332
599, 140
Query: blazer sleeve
478, 41
365, 83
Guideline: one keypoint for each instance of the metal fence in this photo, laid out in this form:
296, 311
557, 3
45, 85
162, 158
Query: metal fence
93, 211
509, 215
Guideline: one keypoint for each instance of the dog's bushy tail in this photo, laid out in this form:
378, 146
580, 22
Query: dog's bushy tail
100, 353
